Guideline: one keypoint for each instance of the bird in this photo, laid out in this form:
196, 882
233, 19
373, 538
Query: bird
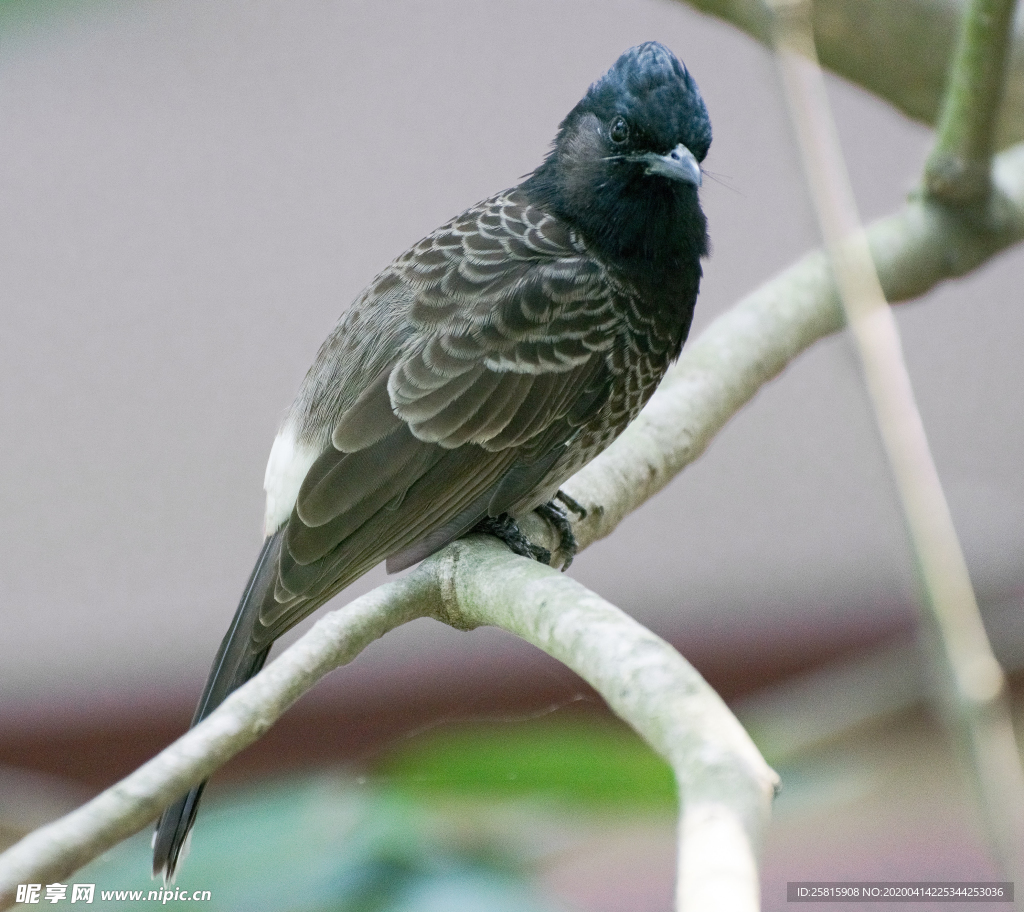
483, 367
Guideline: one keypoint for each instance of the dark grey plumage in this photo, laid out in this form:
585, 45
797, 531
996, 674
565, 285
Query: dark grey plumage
485, 365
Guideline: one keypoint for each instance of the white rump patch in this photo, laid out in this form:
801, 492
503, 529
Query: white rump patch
286, 469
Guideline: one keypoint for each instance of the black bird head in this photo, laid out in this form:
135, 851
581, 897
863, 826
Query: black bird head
625, 165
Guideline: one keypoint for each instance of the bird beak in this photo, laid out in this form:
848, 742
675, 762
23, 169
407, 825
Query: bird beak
678, 165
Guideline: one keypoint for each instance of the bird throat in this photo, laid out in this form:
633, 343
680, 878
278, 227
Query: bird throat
651, 231
656, 235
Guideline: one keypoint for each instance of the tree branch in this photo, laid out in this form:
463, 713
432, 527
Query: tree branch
726, 787
56, 850
958, 167
913, 250
900, 50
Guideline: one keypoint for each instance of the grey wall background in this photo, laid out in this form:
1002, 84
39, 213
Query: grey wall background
191, 194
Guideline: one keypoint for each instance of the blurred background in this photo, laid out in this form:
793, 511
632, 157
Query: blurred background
191, 194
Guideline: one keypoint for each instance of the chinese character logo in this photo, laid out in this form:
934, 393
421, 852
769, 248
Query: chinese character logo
28, 893
82, 892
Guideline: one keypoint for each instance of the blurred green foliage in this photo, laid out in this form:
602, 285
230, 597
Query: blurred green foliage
318, 845
576, 762
409, 838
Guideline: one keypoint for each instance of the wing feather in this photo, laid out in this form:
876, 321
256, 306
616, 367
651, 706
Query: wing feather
368, 419
453, 425
340, 481
509, 325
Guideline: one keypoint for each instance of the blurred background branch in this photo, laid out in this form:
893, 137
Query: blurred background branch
960, 165
897, 49
963, 155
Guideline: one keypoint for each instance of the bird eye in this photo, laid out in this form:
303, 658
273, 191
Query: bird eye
620, 130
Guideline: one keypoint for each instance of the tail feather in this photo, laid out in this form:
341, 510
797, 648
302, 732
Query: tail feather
238, 659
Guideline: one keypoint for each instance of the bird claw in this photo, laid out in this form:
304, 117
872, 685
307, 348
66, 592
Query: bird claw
554, 514
506, 529
571, 503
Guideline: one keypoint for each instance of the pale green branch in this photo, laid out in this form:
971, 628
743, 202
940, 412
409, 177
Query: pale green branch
900, 50
958, 167
54, 851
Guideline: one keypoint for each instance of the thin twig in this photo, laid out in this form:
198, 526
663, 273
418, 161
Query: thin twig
949, 600
959, 167
56, 850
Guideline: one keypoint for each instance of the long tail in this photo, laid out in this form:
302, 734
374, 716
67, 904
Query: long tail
237, 661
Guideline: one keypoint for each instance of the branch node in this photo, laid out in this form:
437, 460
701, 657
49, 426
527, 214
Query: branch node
445, 567
953, 180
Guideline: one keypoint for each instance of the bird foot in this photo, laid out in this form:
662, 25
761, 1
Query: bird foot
554, 514
506, 529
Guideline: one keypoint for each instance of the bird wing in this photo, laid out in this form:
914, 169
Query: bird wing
512, 322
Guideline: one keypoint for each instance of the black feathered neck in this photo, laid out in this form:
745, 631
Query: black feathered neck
626, 216
640, 224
